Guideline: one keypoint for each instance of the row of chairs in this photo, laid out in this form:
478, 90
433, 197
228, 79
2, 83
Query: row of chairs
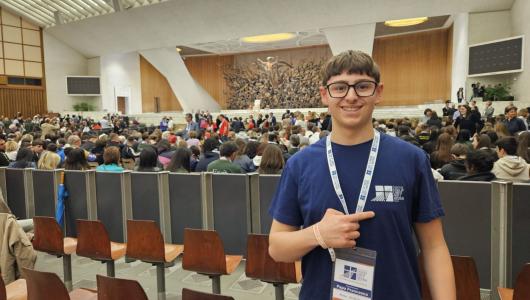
204, 252
468, 283
44, 286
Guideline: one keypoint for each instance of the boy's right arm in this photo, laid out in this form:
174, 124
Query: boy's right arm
289, 243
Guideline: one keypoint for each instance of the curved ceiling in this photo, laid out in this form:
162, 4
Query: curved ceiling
186, 22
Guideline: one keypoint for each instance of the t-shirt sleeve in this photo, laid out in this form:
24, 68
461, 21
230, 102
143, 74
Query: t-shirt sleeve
285, 206
427, 205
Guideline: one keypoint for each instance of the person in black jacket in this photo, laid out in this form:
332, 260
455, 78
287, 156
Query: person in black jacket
457, 167
467, 119
479, 164
208, 155
4, 160
512, 122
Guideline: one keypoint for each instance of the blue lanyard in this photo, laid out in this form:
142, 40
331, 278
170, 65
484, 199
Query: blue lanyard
367, 180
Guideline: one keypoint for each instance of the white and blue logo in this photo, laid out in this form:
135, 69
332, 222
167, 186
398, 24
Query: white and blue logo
388, 193
350, 272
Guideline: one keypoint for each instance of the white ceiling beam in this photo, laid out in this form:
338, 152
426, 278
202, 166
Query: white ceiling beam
30, 7
45, 8
104, 5
80, 6
23, 6
68, 14
69, 8
23, 13
95, 6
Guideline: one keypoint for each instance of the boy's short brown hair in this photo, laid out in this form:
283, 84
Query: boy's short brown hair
351, 61
111, 155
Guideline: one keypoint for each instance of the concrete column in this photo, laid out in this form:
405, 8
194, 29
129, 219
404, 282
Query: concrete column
357, 37
191, 95
460, 64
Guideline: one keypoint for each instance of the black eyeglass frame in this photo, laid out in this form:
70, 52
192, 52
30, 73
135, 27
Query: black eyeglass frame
352, 86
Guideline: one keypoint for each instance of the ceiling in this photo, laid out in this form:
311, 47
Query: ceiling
216, 25
47, 13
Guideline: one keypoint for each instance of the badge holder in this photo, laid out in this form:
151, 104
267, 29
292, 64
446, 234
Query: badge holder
353, 274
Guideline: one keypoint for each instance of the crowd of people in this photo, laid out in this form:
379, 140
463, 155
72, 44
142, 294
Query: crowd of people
464, 143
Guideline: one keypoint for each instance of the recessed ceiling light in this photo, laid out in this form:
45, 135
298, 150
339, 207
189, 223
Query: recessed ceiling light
179, 50
406, 22
268, 38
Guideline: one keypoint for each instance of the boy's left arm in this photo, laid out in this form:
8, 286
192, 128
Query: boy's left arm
436, 260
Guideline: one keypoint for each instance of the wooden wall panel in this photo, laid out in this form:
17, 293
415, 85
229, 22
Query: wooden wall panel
28, 101
154, 84
208, 72
414, 67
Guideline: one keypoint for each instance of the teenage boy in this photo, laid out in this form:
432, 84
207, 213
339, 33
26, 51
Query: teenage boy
374, 193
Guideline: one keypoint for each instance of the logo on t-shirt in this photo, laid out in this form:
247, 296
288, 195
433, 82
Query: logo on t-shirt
388, 193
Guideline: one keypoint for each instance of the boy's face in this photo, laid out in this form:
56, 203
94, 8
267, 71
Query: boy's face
351, 111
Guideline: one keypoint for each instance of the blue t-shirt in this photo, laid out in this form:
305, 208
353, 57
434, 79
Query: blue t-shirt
402, 192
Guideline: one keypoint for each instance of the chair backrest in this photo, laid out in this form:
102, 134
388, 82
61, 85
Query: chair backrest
466, 279
44, 286
92, 240
48, 236
3, 295
260, 264
110, 288
194, 295
522, 284
203, 252
145, 241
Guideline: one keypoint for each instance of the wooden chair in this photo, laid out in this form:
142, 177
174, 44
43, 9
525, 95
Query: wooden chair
46, 286
466, 279
195, 295
204, 253
16, 290
110, 288
93, 242
145, 243
260, 265
49, 238
522, 286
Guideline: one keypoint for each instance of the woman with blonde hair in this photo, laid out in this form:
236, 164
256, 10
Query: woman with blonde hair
11, 150
48, 161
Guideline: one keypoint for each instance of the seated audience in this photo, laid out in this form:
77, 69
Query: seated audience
76, 160
181, 161
442, 154
24, 159
455, 168
478, 166
48, 161
208, 154
111, 160
224, 164
272, 160
510, 166
523, 146
294, 141
242, 160
11, 150
148, 160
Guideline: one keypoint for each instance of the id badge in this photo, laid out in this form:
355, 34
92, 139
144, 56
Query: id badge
353, 274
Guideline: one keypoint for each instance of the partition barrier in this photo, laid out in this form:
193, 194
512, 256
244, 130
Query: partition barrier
187, 201
488, 221
81, 200
467, 222
3, 182
113, 196
263, 188
45, 189
520, 227
149, 195
231, 210
20, 192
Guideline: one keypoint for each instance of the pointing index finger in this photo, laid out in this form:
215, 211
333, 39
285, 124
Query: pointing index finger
365, 215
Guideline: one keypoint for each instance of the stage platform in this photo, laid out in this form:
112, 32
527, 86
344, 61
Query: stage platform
381, 112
